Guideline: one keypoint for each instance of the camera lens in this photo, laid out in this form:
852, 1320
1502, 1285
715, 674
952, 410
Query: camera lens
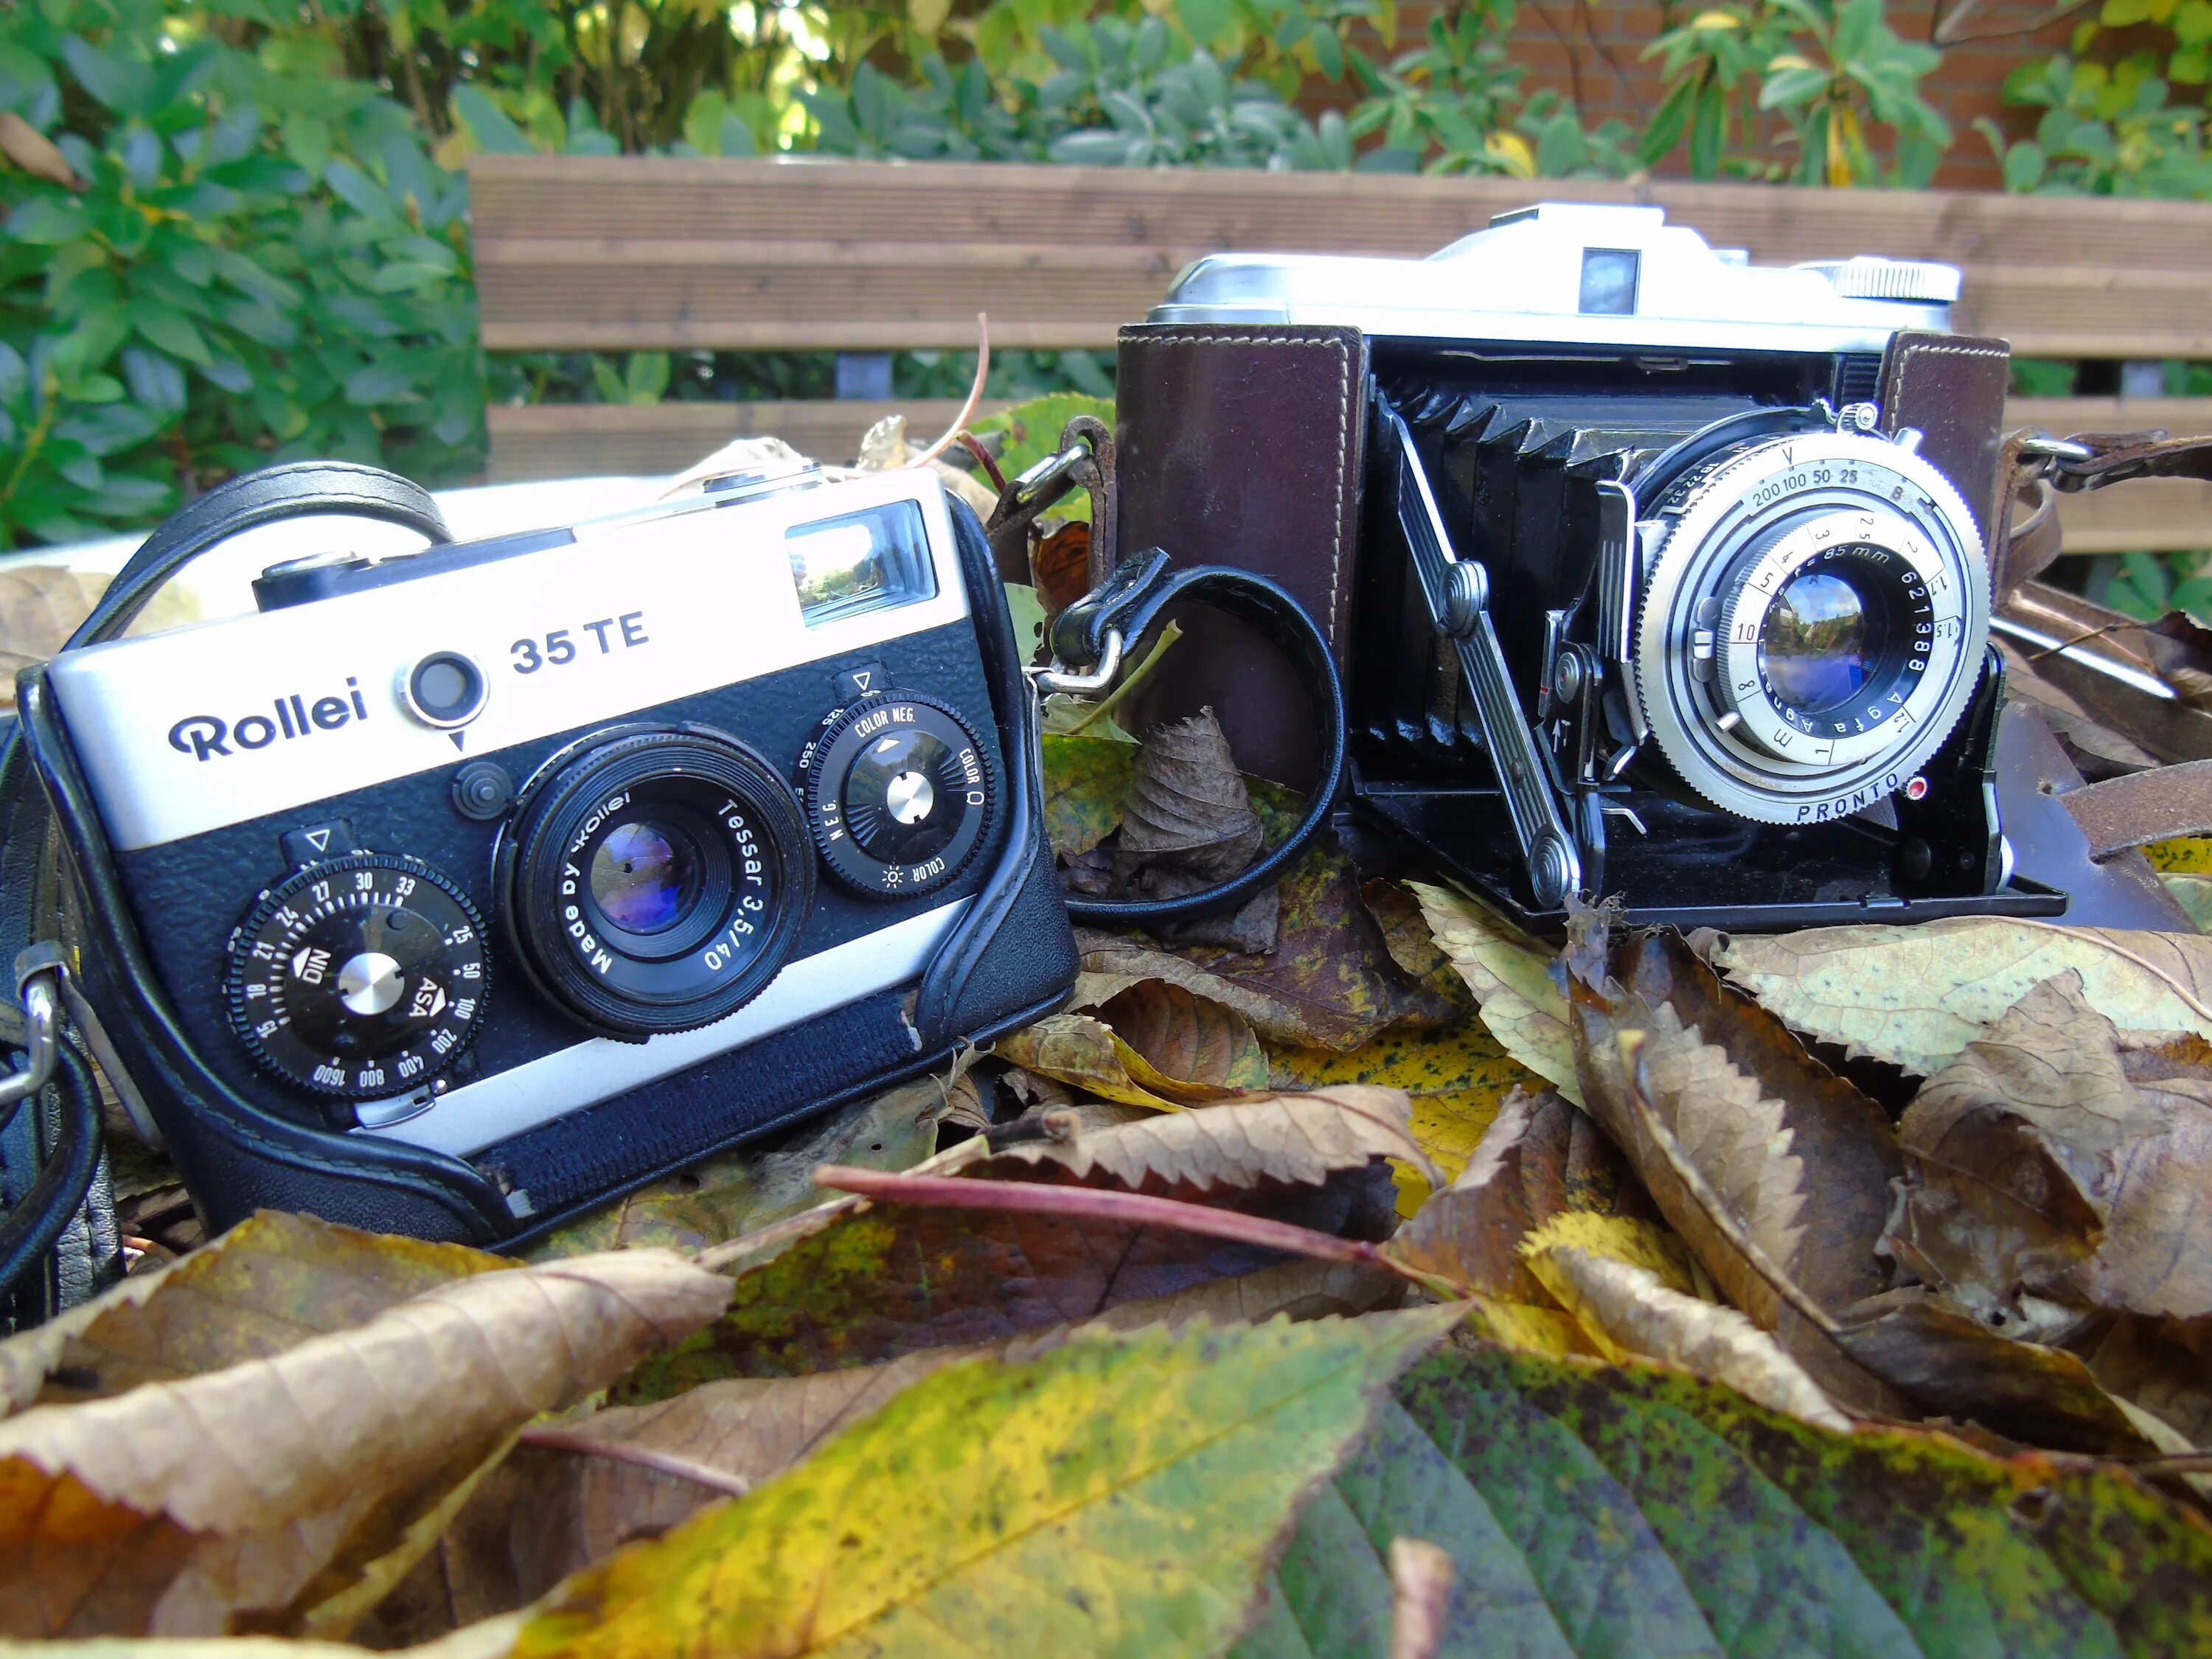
645, 876
1815, 649
655, 879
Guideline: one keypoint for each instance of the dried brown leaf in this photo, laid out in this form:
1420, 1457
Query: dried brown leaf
36, 154
1539, 1157
1629, 1310
1086, 1052
1842, 1144
267, 1284
2057, 1161
876, 1281
1297, 1138
1949, 1365
1915, 996
1182, 1035
1188, 819
177, 1506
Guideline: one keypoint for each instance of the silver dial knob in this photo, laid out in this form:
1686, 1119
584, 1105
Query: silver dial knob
1869, 277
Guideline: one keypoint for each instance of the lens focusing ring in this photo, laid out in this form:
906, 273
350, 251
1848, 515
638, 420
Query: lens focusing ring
1746, 527
655, 880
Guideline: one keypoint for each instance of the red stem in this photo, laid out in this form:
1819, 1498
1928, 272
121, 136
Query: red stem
1131, 1209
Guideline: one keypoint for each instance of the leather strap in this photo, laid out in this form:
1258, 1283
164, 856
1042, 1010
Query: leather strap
1130, 602
2138, 808
291, 490
1086, 447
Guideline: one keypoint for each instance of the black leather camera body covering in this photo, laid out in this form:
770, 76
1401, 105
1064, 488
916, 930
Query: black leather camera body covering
1274, 446
158, 931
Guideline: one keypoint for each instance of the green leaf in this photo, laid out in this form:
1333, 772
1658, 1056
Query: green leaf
1592, 1509
1707, 131
172, 331
2024, 166
1086, 781
1792, 86
124, 86
1117, 1495
487, 124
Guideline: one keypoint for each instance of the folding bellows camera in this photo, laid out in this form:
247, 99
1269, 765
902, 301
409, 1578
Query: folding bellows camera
453, 891
1650, 572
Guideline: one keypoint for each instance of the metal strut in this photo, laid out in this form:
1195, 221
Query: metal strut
1457, 593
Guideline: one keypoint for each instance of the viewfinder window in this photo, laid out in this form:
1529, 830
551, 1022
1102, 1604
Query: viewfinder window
871, 561
1609, 275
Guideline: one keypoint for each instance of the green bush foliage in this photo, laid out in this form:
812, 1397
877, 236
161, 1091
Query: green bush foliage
235, 229
234, 255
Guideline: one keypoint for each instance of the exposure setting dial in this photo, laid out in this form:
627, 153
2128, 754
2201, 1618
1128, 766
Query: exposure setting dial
362, 978
898, 794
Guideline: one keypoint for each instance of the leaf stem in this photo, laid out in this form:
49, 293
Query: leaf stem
1131, 1209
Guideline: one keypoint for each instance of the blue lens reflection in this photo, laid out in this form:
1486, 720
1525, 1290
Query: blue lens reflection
644, 877
1814, 648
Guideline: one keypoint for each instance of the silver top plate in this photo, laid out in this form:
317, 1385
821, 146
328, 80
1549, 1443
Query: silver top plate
307, 703
1568, 273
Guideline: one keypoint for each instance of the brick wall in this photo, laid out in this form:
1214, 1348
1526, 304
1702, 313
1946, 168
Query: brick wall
1592, 52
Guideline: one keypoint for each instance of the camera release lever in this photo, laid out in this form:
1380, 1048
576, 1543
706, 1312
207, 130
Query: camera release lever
1457, 593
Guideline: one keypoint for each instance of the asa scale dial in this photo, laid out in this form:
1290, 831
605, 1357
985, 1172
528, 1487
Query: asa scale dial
362, 978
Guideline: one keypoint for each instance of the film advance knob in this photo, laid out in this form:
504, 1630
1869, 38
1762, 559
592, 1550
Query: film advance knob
898, 794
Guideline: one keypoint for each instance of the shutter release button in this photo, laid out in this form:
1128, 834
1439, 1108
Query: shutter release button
444, 689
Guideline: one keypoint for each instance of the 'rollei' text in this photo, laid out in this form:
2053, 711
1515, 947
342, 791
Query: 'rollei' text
205, 736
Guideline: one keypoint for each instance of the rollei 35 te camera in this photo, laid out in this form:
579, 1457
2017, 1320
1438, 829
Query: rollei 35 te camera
1650, 572
456, 890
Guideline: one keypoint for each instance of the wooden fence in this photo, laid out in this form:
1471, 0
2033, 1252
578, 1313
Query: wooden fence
628, 253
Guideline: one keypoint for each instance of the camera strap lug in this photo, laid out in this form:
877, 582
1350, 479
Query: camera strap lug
1457, 594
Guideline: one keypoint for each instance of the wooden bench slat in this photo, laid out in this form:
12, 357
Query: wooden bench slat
560, 441
619, 252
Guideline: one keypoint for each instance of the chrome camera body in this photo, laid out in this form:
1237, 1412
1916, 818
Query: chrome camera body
451, 893
1656, 573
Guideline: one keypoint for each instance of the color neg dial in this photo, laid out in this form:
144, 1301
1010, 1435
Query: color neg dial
362, 978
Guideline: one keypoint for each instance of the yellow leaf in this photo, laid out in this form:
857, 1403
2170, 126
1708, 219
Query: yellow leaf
1511, 152
2183, 854
1537, 1330
1079, 1049
1788, 60
1642, 1244
1118, 1495
1716, 20
1629, 1312
1457, 1079
1510, 976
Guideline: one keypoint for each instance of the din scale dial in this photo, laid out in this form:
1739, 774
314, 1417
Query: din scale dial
898, 794
362, 978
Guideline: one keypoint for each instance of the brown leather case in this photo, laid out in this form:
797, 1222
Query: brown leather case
1951, 388
1244, 445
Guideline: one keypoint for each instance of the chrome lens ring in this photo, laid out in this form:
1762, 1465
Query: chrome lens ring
1745, 528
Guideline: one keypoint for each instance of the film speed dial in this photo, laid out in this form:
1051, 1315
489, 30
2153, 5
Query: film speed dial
362, 978
898, 794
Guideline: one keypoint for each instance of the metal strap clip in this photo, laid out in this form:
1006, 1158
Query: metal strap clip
37, 971
1059, 677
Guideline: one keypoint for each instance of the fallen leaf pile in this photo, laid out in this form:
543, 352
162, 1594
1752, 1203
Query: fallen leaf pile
1353, 1276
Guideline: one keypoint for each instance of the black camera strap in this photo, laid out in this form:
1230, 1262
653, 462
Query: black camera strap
1092, 638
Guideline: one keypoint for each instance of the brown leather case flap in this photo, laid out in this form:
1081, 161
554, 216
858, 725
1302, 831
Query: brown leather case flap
1951, 389
1244, 445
